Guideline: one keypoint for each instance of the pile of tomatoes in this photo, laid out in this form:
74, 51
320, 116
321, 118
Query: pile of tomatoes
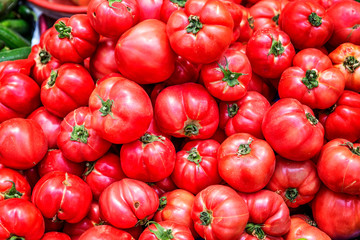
175, 119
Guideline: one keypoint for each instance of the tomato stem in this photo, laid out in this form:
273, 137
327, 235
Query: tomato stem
245, 149
162, 203
351, 147
276, 48
291, 194
149, 138
311, 119
111, 2
53, 76
180, 3
232, 109
79, 134
194, 156
276, 19
13, 237
191, 130
89, 167
12, 192
44, 56
315, 19
255, 230
106, 107
194, 25
351, 63
231, 78
206, 217
251, 22
63, 30
161, 233
310, 79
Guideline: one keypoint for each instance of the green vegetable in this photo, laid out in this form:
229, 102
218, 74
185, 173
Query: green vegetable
18, 25
15, 54
12, 39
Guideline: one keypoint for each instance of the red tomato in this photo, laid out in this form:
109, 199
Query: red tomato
246, 25
219, 213
253, 158
20, 219
72, 39
166, 230
19, 96
185, 71
346, 58
246, 236
292, 130
102, 173
264, 220
22, 143
196, 165
149, 9
105, 232
170, 6
55, 236
13, 185
312, 80
18, 66
262, 86
301, 228
121, 110
128, 202
71, 197
296, 182
245, 115
143, 54
112, 18
186, 110
49, 123
327, 3
202, 31
163, 186
337, 214
236, 12
31, 175
270, 52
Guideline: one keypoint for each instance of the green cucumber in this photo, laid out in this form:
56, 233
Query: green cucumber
6, 6
18, 25
12, 39
15, 54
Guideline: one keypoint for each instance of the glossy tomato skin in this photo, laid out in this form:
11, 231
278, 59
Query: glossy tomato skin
247, 236
13, 185
121, 110
338, 226
71, 196
185, 71
17, 66
105, 232
55, 236
253, 159
127, 201
168, 7
296, 182
301, 227
19, 96
22, 143
245, 115
262, 86
312, 80
174, 230
270, 52
203, 44
219, 213
72, 39
146, 47
196, 165
19, 217
292, 130
186, 110
149, 9
245, 29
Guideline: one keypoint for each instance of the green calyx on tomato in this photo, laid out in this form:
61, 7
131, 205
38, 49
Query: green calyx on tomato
162, 203
356, 26
206, 217
63, 30
255, 230
12, 192
194, 25
232, 109
89, 168
111, 2
291, 194
251, 22
276, 48
231, 78
311, 119
180, 3
79, 134
194, 156
13, 237
315, 19
310, 79
44, 56
150, 138
276, 19
351, 147
351, 63
106, 107
161, 233
191, 130
245, 149
53, 76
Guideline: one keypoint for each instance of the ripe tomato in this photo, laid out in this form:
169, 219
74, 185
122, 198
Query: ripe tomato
13, 185
18, 66
246, 236
170, 6
105, 232
166, 230
246, 25
149, 9
301, 228
262, 86
185, 71
55, 236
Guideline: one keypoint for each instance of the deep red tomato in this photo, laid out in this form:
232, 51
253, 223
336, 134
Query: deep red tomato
338, 226
31, 175
17, 66
13, 185
301, 228
253, 158
105, 232
143, 54
346, 18
170, 6
55, 236
327, 3
270, 52
246, 236
288, 118
262, 86
296, 182
246, 25
312, 80
22, 143
185, 71
102, 173
163, 186
245, 115
149, 9
112, 18
219, 213
166, 230
71, 197
196, 165
202, 31
20, 219
186, 110
19, 96
72, 39
346, 58
128, 202
236, 12
121, 110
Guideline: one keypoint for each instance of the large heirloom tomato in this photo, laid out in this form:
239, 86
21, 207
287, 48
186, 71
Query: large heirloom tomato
105, 232
312, 80
306, 20
166, 230
219, 213
270, 52
143, 53
170, 6
72, 39
22, 143
302, 227
71, 197
128, 202
20, 219
292, 130
13, 185
245, 162
296, 182
18, 66
121, 110
337, 214
202, 31
187, 110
